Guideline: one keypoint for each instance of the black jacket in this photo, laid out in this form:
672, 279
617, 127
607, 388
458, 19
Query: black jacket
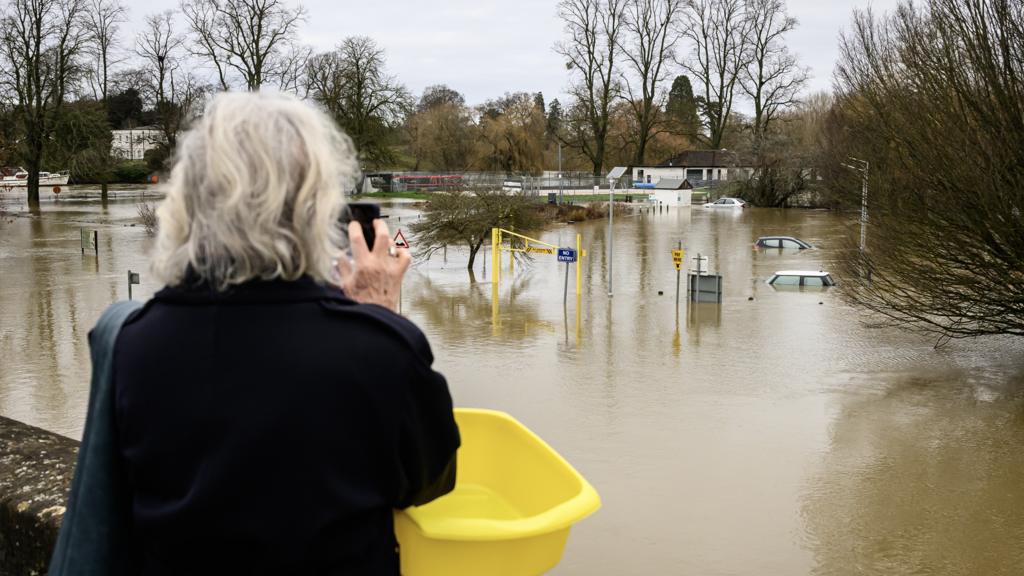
273, 428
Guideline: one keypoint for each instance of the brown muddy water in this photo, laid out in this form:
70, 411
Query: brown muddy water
775, 436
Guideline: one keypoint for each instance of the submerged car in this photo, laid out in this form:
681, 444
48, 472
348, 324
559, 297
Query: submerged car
781, 242
726, 203
808, 278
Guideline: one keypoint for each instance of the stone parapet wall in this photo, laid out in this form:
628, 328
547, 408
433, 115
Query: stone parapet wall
36, 468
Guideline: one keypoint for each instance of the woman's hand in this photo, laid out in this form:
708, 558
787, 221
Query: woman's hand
373, 277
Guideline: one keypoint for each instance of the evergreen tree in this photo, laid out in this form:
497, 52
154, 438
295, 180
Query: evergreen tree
538, 102
682, 108
554, 120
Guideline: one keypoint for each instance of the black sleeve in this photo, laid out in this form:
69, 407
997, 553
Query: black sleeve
427, 441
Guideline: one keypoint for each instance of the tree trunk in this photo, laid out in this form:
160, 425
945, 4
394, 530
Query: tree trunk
103, 191
33, 183
641, 150
472, 256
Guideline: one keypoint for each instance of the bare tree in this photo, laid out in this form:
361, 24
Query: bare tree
466, 217
254, 39
160, 46
40, 42
772, 78
173, 92
291, 72
351, 84
932, 96
593, 28
717, 32
103, 20
648, 46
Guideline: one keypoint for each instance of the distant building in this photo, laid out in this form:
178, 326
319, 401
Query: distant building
699, 167
132, 144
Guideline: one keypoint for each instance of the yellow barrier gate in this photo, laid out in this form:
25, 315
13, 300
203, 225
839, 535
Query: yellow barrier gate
529, 246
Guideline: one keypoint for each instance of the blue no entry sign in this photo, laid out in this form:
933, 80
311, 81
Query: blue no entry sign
566, 254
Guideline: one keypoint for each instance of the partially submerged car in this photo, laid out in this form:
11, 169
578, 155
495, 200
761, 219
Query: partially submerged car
726, 203
806, 278
781, 242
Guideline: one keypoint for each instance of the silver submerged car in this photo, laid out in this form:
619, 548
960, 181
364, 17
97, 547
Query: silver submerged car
781, 242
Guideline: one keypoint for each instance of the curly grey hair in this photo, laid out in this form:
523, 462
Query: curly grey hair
255, 192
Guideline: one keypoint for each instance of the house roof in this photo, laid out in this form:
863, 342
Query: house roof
706, 159
673, 184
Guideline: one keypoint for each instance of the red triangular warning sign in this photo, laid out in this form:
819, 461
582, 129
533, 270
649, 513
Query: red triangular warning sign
400, 241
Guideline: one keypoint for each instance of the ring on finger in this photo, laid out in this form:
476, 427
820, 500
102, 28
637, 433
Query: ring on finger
392, 252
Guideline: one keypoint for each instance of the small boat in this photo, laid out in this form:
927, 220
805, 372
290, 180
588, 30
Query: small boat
18, 177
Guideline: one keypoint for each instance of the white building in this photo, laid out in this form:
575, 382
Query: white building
132, 144
696, 166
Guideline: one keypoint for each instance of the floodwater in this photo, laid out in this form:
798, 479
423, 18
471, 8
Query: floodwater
776, 436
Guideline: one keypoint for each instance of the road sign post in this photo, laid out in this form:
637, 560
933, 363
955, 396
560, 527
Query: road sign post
400, 241
701, 269
677, 260
567, 255
90, 238
133, 278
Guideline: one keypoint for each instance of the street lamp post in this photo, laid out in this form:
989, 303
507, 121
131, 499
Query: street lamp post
613, 176
611, 230
862, 167
560, 193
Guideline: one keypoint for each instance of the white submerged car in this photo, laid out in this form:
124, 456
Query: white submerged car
805, 278
726, 203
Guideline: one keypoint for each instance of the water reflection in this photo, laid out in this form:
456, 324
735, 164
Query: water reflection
702, 315
772, 434
923, 478
51, 295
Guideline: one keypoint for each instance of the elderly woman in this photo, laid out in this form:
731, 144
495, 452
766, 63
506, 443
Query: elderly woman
272, 409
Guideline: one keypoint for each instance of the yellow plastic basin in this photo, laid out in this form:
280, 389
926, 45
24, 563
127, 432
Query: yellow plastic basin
514, 501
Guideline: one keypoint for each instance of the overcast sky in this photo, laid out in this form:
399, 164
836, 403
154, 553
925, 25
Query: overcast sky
484, 48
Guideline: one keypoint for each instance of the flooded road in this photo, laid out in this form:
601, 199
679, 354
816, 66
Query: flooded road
773, 436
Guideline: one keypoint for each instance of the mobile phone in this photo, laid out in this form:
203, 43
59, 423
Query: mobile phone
364, 213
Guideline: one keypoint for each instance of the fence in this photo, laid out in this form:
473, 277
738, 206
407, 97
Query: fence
570, 182
433, 181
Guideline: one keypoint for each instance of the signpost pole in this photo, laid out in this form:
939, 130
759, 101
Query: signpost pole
679, 246
565, 290
579, 255
569, 256
495, 255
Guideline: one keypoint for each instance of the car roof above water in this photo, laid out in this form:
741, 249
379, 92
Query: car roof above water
801, 273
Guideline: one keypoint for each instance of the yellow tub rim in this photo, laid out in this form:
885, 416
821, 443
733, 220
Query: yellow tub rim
559, 517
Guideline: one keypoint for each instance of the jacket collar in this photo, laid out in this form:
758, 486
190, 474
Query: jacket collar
195, 291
